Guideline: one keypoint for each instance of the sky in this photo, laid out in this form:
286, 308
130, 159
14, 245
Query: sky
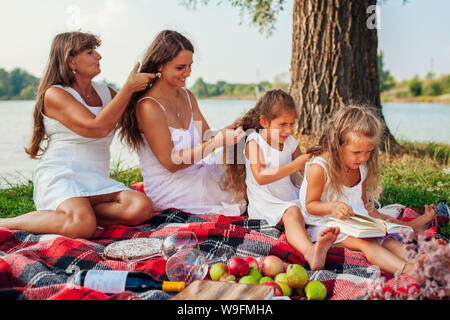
413, 36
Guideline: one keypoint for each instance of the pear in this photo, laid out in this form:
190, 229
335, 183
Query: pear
297, 276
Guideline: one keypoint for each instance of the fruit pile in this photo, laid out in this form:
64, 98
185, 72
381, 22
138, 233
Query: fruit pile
269, 271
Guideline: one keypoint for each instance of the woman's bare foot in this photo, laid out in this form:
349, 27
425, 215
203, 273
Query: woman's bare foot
317, 255
421, 223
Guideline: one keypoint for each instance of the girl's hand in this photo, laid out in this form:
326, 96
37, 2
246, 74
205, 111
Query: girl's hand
342, 210
138, 81
228, 137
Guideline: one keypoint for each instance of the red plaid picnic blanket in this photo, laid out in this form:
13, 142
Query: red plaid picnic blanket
40, 266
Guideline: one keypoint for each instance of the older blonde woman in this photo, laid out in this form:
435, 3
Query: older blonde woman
72, 189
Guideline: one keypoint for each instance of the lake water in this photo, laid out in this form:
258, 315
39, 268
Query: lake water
422, 122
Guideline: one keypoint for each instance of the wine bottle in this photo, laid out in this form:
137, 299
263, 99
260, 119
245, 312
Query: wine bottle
110, 281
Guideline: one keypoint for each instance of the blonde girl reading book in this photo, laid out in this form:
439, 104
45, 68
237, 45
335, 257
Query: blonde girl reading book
271, 155
342, 177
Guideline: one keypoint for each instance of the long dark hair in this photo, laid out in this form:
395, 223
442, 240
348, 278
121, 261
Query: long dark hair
163, 49
270, 105
64, 45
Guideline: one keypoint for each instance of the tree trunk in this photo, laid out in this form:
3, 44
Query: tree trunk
334, 61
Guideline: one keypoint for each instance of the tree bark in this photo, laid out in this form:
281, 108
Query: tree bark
334, 62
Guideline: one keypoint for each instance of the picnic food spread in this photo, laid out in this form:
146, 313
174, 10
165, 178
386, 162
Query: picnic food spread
270, 271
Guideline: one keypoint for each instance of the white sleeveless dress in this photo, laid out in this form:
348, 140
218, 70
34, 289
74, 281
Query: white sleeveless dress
270, 201
352, 196
72, 165
194, 189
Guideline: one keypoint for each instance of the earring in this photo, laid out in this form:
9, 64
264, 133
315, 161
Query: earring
158, 75
74, 71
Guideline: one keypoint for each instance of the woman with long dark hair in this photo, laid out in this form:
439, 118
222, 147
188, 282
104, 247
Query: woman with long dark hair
166, 127
78, 117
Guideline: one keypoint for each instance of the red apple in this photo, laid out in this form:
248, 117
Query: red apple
278, 292
252, 262
271, 266
238, 267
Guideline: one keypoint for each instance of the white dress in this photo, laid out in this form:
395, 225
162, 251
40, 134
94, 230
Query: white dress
352, 196
271, 200
72, 165
194, 189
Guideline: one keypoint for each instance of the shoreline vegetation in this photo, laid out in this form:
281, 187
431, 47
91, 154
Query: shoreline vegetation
419, 175
18, 84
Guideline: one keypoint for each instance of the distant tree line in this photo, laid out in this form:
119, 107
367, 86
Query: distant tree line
201, 89
17, 85
430, 86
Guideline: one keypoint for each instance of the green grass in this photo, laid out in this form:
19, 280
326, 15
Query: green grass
416, 178
16, 199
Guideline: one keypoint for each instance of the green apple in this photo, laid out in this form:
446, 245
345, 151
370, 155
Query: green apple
315, 290
287, 291
248, 279
265, 279
217, 270
255, 273
281, 277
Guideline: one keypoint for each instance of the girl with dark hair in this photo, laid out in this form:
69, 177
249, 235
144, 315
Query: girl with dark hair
77, 117
172, 138
271, 155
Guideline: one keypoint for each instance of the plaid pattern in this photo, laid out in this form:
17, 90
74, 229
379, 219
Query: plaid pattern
40, 266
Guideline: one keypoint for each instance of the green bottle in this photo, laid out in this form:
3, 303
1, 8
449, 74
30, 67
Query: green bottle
110, 281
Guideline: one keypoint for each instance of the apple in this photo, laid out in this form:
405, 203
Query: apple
271, 266
228, 278
238, 267
278, 292
287, 291
217, 270
297, 276
248, 279
255, 273
315, 290
252, 262
265, 279
281, 277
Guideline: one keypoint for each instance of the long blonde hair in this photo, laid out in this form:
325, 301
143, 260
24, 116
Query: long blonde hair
359, 120
64, 45
270, 105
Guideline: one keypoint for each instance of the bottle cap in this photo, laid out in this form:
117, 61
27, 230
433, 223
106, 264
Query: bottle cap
172, 286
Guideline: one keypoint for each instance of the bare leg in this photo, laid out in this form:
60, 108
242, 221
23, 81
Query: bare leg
396, 247
379, 255
125, 207
315, 254
422, 222
74, 218
78, 217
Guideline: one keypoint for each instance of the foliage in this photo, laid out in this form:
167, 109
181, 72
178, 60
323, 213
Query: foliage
201, 89
432, 271
415, 86
262, 12
387, 81
17, 84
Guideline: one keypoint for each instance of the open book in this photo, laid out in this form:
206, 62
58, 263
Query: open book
363, 226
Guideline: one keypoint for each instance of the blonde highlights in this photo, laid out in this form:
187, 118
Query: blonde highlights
347, 124
64, 45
